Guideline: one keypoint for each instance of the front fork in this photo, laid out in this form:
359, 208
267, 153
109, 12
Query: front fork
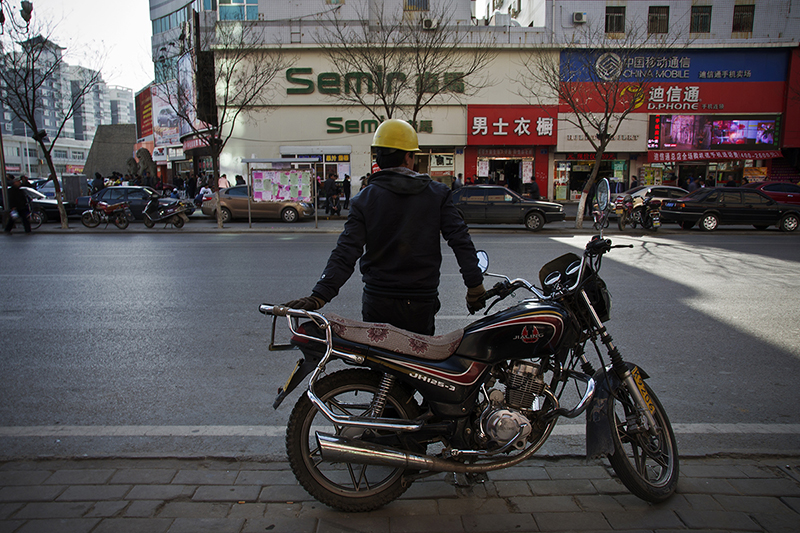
633, 382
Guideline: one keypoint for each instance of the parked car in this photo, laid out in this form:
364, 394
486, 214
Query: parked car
780, 191
494, 204
47, 207
658, 192
233, 202
713, 206
137, 196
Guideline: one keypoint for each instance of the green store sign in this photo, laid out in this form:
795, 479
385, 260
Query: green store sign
304, 82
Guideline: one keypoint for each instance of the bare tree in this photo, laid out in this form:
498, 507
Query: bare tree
395, 64
593, 78
33, 69
225, 74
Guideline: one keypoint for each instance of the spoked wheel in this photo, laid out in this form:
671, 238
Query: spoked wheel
121, 221
90, 219
345, 486
35, 219
647, 464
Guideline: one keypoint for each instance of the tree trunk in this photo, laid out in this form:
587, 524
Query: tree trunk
215, 151
588, 187
62, 211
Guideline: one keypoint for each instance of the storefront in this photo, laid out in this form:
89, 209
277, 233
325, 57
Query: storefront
575, 157
510, 145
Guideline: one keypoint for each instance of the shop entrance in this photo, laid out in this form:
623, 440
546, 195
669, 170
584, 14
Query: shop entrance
515, 174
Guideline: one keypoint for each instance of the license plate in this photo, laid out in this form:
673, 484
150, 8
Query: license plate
618, 210
640, 384
669, 204
291, 375
656, 222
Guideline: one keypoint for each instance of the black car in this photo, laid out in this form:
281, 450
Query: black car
713, 206
494, 204
135, 195
47, 207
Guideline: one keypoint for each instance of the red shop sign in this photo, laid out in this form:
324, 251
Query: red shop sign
511, 125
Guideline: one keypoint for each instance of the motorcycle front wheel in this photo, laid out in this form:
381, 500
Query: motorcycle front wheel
121, 221
646, 464
622, 220
345, 486
90, 219
177, 221
148, 222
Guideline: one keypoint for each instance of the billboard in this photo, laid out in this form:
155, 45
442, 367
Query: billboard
689, 81
144, 113
511, 125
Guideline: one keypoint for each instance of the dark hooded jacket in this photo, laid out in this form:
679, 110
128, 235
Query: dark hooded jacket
394, 227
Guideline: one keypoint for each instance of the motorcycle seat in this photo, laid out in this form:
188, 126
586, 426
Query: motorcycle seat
388, 337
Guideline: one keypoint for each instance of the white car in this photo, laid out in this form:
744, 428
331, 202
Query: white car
659, 192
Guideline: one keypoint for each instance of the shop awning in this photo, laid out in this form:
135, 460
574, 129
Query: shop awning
678, 156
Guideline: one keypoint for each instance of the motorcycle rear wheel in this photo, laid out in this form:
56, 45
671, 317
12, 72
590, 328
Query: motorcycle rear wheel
621, 221
646, 464
345, 486
90, 219
121, 221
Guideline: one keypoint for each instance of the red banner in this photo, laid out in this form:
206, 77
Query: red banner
511, 125
657, 156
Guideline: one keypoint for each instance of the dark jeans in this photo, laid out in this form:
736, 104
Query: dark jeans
410, 315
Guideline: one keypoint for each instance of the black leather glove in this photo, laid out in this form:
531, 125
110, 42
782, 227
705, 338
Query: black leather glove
309, 303
476, 298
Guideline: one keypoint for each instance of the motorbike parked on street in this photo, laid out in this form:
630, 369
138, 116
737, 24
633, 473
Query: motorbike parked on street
644, 212
175, 213
478, 399
120, 214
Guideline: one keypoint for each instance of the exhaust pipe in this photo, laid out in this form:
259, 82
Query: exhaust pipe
339, 449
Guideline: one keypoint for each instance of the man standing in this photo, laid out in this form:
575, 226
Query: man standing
17, 199
394, 227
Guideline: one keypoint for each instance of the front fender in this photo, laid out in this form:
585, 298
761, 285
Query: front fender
599, 442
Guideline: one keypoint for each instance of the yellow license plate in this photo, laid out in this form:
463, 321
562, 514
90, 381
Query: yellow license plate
291, 375
640, 384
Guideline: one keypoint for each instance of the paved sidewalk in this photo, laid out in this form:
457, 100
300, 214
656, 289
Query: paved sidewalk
758, 494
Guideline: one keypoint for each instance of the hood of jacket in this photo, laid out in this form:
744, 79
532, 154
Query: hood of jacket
400, 180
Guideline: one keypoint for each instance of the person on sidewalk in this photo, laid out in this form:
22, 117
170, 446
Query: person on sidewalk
17, 199
394, 228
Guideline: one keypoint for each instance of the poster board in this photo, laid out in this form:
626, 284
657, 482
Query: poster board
282, 185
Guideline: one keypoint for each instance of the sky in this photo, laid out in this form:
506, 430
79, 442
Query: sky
117, 30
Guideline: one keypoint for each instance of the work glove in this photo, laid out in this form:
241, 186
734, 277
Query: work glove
476, 298
309, 303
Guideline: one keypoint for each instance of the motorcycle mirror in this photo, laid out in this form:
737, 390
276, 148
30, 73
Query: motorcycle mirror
603, 192
483, 261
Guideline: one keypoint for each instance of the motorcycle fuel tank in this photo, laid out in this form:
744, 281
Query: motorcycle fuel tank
528, 329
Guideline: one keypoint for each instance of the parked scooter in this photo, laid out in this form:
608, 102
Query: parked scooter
120, 214
173, 213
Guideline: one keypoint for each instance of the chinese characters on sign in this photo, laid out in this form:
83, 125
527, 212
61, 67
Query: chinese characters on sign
511, 125
710, 155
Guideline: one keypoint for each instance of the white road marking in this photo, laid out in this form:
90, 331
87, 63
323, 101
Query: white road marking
279, 431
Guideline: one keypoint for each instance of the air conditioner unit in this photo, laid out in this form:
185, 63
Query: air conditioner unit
579, 18
430, 24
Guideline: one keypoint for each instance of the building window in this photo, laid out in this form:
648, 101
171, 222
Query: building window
61, 154
743, 18
415, 5
615, 19
238, 9
658, 19
78, 155
701, 19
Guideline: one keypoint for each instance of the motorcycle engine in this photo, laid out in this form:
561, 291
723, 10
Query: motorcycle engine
502, 421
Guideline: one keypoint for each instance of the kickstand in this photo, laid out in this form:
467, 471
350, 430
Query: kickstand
458, 479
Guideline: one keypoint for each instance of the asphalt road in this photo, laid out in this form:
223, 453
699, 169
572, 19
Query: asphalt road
126, 344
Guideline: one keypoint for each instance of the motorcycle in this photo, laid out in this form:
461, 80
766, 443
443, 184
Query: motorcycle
175, 213
120, 214
644, 212
475, 400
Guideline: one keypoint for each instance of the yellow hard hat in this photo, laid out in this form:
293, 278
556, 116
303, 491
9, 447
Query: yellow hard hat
396, 133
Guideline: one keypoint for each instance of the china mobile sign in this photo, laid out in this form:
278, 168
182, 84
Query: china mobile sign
510, 125
724, 81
